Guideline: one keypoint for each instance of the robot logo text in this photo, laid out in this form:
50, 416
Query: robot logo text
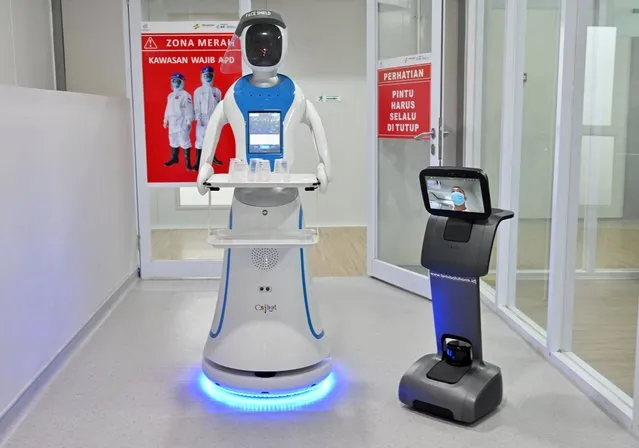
266, 308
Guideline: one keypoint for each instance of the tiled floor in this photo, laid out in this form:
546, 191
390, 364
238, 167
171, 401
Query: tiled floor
134, 383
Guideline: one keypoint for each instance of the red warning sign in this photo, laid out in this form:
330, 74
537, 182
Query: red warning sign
150, 44
176, 115
403, 87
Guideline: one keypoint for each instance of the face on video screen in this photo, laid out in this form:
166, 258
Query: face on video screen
455, 194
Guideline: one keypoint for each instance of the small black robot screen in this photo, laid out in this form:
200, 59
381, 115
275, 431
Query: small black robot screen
264, 133
455, 194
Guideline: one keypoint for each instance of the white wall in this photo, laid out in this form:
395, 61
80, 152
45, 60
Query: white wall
68, 228
26, 44
174, 10
333, 62
94, 46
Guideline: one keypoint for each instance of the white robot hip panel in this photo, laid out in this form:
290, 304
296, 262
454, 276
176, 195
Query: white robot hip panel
265, 319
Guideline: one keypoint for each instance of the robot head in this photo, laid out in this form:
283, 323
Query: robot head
264, 40
208, 73
177, 81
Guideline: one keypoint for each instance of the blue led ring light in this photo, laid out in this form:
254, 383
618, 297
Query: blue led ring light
251, 402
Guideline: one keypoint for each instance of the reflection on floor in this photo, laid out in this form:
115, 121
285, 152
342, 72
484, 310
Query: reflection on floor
341, 251
131, 385
605, 323
605, 311
183, 244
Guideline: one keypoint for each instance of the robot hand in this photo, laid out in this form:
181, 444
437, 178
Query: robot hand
322, 177
166, 124
203, 175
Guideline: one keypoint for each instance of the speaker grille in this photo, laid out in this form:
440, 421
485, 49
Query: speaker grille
264, 258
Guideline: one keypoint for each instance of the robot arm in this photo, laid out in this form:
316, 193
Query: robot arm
314, 122
211, 137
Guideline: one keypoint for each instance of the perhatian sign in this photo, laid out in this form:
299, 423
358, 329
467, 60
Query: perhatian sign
403, 98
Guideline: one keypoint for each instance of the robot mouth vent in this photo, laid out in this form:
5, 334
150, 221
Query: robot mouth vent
265, 374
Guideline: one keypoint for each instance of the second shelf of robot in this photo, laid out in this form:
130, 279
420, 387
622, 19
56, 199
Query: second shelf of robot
228, 238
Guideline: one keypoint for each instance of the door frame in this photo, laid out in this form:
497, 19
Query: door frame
397, 276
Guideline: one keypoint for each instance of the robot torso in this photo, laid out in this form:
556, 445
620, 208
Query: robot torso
264, 119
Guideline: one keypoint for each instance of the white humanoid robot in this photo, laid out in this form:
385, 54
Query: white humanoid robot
266, 336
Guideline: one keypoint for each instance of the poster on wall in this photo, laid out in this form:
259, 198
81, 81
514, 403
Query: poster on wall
183, 84
403, 96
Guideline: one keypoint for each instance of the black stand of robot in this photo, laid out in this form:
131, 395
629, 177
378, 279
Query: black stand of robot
456, 383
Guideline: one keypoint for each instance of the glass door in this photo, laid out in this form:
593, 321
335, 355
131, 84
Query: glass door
168, 38
405, 41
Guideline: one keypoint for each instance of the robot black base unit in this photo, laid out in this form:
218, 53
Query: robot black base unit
456, 383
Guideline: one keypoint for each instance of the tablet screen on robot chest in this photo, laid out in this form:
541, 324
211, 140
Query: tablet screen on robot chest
264, 133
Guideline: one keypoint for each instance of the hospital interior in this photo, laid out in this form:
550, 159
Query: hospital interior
116, 274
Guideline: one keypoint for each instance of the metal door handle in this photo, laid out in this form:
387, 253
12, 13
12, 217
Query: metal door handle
432, 135
426, 135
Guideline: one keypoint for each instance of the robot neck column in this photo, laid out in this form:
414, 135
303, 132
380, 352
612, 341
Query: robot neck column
264, 79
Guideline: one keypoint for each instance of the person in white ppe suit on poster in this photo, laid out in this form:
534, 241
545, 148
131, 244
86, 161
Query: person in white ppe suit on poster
178, 119
206, 99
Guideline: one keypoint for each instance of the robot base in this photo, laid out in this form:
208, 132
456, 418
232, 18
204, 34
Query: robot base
276, 383
462, 394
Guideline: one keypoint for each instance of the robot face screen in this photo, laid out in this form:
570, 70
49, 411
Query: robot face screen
264, 133
263, 45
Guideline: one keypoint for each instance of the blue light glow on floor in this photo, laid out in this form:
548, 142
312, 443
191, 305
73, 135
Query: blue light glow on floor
268, 402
